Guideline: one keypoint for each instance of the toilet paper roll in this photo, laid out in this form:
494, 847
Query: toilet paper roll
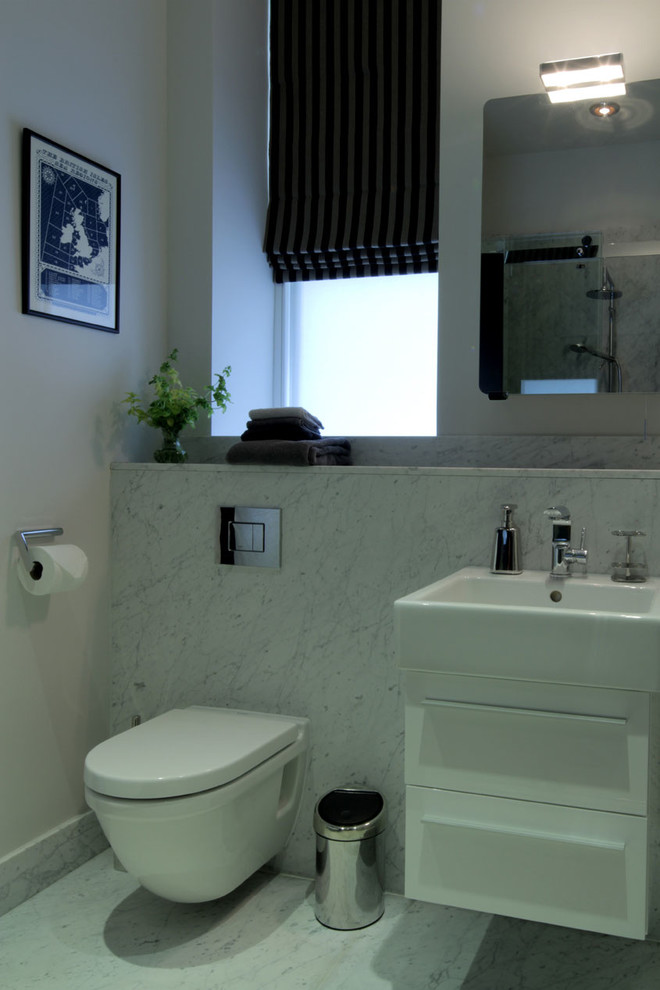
64, 567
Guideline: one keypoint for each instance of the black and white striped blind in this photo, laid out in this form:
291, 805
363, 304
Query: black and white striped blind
353, 180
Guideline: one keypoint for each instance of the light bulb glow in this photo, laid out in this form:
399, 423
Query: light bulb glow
593, 77
604, 110
587, 93
580, 77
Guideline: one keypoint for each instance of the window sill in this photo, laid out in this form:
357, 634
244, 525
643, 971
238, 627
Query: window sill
612, 453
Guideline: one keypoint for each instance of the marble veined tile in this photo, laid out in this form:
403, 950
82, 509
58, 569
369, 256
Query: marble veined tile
51, 856
520, 955
97, 930
315, 637
553, 451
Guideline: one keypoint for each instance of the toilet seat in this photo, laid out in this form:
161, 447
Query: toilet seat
186, 751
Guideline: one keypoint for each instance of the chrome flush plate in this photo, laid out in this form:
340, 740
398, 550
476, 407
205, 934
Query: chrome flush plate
249, 536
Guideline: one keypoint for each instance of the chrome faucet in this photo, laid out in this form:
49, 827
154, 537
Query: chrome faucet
564, 556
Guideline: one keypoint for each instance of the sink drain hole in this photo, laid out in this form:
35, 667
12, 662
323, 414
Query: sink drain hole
556, 596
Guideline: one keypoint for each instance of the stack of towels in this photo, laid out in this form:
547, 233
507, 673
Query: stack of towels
287, 435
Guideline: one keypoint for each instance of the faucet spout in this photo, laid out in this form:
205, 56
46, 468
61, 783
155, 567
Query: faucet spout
563, 554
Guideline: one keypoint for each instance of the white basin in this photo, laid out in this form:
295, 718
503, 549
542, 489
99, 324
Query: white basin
576, 630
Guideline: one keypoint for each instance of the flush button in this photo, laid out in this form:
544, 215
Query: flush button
258, 537
249, 536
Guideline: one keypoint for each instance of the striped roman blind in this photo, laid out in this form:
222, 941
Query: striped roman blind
354, 101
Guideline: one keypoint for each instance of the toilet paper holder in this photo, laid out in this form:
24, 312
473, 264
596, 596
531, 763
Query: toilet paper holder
32, 566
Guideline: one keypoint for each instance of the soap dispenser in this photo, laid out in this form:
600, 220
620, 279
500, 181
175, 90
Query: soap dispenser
507, 556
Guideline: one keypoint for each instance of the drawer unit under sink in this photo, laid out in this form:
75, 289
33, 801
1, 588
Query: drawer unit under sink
564, 745
565, 866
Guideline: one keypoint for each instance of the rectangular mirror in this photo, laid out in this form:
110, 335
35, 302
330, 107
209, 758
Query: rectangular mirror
570, 287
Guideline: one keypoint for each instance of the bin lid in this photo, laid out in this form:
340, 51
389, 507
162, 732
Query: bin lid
350, 813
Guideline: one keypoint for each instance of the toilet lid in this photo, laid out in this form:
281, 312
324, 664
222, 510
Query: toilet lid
186, 751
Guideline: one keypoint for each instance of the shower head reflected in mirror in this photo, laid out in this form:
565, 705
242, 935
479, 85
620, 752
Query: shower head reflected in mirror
606, 291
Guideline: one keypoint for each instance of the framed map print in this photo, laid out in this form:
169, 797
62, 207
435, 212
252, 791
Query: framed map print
71, 216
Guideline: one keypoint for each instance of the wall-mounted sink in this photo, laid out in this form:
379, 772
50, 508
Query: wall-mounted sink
576, 630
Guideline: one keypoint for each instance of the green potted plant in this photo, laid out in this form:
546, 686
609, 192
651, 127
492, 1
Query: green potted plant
176, 407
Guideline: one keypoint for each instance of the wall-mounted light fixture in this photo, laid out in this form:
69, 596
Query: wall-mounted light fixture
592, 78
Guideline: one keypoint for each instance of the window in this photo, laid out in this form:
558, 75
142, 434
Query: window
353, 170
362, 353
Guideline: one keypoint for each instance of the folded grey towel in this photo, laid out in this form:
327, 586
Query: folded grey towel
278, 412
273, 421
296, 453
287, 428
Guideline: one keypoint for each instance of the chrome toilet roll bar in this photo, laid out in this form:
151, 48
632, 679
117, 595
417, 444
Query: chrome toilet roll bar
21, 536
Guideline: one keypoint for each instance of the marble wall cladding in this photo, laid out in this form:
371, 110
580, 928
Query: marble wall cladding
636, 320
40, 863
315, 637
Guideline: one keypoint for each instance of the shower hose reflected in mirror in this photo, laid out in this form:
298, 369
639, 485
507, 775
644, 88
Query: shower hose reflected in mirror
583, 349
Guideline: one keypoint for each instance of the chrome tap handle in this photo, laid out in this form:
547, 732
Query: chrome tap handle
578, 555
563, 554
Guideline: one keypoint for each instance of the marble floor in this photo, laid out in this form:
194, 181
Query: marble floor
96, 929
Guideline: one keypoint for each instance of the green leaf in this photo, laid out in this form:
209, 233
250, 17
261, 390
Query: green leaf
176, 406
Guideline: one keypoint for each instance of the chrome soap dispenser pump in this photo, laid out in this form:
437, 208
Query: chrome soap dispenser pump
507, 555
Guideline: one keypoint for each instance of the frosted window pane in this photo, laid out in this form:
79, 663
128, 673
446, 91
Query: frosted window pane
557, 386
364, 354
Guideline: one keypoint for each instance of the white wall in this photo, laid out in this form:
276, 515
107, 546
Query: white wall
490, 49
90, 75
243, 297
190, 188
221, 295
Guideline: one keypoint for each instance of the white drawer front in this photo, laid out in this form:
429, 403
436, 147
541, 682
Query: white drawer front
562, 866
586, 747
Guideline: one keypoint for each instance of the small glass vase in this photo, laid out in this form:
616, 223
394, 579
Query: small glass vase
171, 452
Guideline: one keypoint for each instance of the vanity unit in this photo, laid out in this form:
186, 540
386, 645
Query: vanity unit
527, 740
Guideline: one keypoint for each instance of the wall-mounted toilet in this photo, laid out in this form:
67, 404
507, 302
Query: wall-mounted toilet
195, 800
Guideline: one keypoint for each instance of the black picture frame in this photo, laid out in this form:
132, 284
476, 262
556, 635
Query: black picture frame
70, 236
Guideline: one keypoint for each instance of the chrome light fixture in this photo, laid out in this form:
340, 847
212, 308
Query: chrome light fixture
596, 77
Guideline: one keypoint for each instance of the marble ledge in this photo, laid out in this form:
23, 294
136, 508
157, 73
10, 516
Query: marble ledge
552, 453
389, 470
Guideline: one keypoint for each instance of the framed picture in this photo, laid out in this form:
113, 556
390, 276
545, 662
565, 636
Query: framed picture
71, 218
